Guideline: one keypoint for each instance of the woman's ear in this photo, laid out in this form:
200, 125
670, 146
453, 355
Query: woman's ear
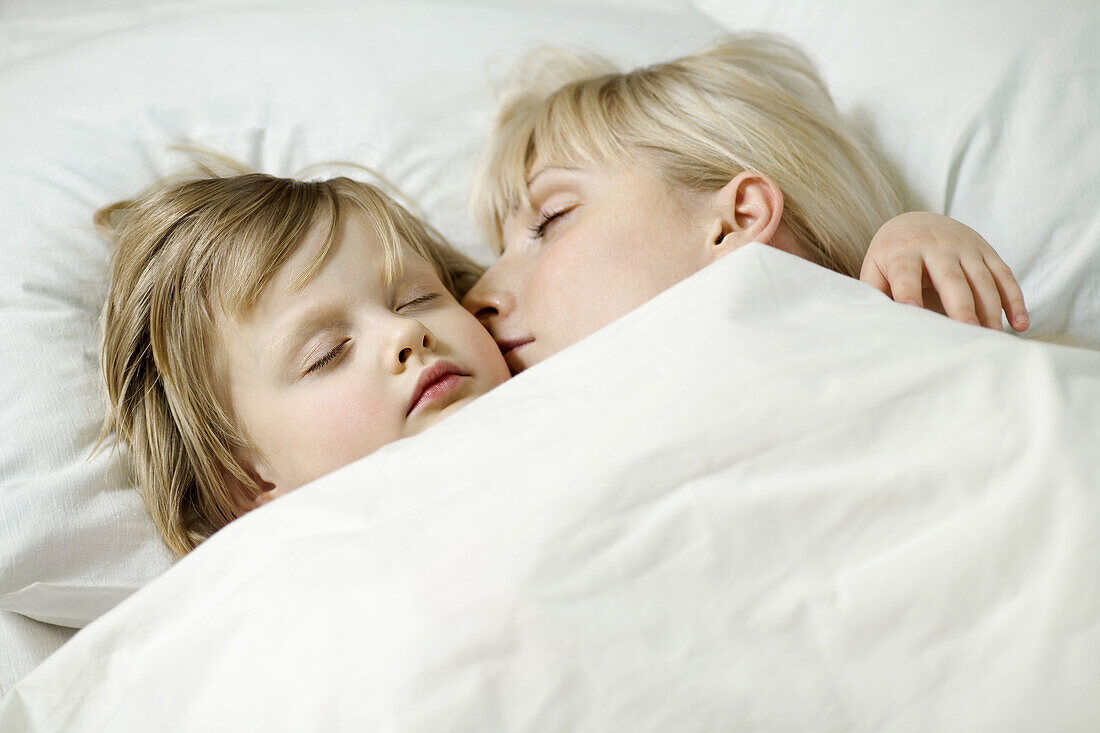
246, 497
747, 209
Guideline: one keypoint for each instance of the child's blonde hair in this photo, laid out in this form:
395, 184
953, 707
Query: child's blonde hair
189, 251
750, 102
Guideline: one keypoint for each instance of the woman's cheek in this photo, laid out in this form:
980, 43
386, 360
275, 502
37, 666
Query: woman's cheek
566, 262
577, 286
550, 296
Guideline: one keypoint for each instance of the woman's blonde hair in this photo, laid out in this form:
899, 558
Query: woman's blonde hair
749, 102
188, 251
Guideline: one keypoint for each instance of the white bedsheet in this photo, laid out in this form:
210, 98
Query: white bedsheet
768, 499
24, 643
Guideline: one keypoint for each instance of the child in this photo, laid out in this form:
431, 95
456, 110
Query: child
260, 332
600, 189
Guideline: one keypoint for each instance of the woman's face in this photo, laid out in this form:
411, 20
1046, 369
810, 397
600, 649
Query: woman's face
594, 243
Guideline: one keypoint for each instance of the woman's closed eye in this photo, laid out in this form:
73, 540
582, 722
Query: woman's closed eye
547, 219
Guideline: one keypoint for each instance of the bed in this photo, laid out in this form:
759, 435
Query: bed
812, 509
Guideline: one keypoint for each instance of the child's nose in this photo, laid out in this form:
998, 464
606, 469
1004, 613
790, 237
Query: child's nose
414, 340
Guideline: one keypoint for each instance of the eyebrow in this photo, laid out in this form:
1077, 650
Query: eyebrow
569, 168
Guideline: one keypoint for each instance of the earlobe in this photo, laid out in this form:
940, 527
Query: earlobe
749, 209
245, 496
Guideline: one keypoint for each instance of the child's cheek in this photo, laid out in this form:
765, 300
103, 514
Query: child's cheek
479, 347
343, 425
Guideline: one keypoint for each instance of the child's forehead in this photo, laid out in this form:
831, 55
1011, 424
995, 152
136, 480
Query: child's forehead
358, 236
347, 278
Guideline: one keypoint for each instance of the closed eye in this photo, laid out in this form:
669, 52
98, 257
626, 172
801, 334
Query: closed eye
546, 220
328, 358
420, 301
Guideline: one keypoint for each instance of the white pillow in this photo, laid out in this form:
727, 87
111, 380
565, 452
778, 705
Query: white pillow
990, 112
403, 87
26, 643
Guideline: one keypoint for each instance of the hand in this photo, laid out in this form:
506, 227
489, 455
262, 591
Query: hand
935, 262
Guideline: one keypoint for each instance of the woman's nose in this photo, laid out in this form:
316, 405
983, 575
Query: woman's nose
490, 298
410, 338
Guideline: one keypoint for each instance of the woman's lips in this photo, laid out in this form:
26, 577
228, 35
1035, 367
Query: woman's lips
509, 345
509, 349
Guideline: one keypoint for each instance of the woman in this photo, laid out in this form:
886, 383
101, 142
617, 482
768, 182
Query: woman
601, 189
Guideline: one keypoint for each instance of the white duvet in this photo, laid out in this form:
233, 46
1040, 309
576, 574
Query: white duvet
769, 499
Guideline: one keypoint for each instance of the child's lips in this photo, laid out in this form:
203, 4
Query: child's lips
438, 389
435, 381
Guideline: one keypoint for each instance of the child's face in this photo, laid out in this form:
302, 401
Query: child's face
324, 376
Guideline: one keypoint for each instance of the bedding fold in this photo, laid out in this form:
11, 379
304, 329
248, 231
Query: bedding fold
769, 498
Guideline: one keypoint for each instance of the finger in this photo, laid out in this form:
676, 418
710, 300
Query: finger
983, 288
950, 282
905, 274
872, 275
1012, 297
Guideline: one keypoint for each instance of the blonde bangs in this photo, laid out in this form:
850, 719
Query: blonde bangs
500, 183
556, 113
267, 226
378, 215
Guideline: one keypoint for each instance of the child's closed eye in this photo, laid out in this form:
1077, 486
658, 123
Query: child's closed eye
420, 300
328, 358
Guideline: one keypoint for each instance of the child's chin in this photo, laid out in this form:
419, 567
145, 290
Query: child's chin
453, 407
443, 412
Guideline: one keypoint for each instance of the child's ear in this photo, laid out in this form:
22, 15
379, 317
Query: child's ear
747, 209
245, 497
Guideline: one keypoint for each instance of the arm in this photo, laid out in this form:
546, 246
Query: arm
964, 277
